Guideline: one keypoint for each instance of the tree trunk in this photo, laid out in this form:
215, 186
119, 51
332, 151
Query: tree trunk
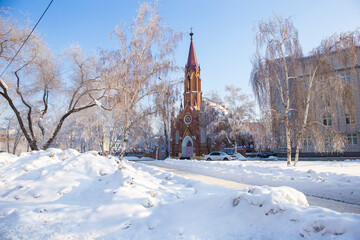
288, 141
57, 130
297, 152
8, 140
306, 114
123, 148
167, 142
32, 142
16, 141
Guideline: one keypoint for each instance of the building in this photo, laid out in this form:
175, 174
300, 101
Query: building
344, 122
187, 134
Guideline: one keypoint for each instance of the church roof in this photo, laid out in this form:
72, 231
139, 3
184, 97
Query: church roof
192, 61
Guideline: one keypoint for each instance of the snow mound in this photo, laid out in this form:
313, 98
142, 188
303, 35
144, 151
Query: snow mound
268, 197
239, 156
131, 158
6, 158
57, 194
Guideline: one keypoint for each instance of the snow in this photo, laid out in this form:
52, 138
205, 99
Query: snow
337, 180
218, 107
134, 158
57, 194
4, 84
239, 156
98, 103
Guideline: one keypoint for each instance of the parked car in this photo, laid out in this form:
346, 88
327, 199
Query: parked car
267, 154
217, 156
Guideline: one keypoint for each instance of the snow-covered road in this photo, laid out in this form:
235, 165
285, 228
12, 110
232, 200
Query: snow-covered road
214, 179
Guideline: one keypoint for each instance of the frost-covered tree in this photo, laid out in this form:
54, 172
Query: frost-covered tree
212, 120
144, 54
262, 134
34, 88
240, 114
227, 120
298, 90
165, 99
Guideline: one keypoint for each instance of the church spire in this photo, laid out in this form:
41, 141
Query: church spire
192, 61
192, 81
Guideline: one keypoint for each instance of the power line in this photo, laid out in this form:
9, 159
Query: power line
26, 39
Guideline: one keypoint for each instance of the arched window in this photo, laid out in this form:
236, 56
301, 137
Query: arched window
177, 137
188, 84
203, 136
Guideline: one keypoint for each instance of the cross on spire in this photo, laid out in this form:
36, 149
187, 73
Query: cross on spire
192, 61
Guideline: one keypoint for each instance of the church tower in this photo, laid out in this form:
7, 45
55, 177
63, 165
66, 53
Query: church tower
188, 137
192, 82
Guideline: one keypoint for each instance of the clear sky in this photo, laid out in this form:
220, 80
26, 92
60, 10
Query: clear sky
223, 29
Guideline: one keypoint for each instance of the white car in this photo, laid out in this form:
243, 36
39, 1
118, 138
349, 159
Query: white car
217, 156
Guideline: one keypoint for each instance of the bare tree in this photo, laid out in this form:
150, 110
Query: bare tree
227, 120
241, 113
165, 99
212, 120
322, 89
135, 67
261, 130
14, 135
297, 90
33, 86
277, 51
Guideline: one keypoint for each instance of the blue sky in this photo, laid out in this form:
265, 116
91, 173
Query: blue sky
224, 37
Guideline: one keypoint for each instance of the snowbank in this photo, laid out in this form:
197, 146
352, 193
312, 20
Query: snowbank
58, 194
240, 156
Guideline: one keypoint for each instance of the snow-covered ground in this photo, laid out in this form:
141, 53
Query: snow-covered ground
57, 194
337, 180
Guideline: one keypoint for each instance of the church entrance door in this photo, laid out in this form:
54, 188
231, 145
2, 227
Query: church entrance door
187, 147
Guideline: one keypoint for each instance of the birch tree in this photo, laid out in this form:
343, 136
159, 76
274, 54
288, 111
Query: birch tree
144, 54
297, 90
277, 51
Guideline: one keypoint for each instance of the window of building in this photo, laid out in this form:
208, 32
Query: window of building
352, 139
307, 142
203, 135
346, 78
327, 120
328, 141
349, 120
177, 137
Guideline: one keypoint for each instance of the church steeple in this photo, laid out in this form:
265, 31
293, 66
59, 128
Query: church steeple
192, 61
192, 83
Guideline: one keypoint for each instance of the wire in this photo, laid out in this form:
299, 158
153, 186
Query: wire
26, 39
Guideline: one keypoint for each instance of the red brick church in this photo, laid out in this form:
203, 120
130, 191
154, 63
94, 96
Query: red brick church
187, 134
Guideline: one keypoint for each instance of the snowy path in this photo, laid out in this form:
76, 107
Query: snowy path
313, 201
